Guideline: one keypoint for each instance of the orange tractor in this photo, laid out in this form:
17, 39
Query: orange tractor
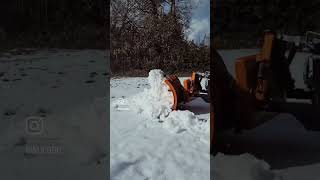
262, 88
191, 88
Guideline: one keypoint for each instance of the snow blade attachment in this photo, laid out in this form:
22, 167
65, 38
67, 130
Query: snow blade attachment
178, 91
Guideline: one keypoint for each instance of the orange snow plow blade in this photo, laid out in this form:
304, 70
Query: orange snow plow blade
190, 89
179, 94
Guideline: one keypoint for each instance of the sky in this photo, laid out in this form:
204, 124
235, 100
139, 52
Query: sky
200, 21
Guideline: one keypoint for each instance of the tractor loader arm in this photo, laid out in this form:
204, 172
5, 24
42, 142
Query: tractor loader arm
263, 88
231, 106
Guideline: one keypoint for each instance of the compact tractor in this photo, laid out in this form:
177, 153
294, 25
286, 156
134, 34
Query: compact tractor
262, 87
196, 86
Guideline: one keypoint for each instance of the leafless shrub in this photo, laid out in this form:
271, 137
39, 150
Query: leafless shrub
148, 34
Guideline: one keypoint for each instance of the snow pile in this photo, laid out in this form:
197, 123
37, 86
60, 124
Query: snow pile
240, 167
156, 101
179, 121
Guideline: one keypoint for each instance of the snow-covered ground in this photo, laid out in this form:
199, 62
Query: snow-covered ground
63, 95
67, 93
146, 147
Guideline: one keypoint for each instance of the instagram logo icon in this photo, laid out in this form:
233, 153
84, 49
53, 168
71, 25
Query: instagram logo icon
34, 125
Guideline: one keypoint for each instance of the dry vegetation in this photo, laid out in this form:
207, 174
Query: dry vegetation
149, 34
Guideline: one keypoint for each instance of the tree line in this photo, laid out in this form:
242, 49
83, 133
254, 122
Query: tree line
149, 34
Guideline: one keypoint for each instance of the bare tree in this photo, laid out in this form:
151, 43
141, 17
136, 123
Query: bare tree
149, 34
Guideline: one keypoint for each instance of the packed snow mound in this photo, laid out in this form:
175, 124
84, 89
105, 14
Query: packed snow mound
179, 121
156, 101
245, 166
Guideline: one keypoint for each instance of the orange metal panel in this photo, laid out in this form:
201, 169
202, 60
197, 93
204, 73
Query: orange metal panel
186, 85
265, 54
175, 95
241, 68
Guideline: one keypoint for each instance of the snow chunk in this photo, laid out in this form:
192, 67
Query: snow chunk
156, 101
179, 121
